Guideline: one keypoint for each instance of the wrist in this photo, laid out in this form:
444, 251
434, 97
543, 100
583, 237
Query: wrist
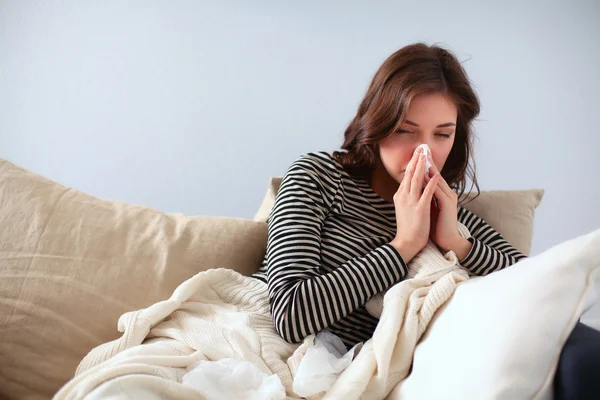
406, 249
461, 247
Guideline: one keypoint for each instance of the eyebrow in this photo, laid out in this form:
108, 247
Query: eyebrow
447, 124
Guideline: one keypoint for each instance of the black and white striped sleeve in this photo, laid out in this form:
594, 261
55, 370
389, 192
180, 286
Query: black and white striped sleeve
490, 251
304, 298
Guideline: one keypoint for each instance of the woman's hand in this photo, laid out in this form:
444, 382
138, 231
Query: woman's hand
413, 208
444, 217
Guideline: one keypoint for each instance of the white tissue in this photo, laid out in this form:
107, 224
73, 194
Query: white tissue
322, 364
427, 152
233, 379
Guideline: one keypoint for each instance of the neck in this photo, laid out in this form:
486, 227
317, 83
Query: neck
382, 183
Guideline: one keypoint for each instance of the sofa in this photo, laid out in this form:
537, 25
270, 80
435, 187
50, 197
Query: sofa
71, 264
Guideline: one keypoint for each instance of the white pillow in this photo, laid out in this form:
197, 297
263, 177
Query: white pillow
500, 336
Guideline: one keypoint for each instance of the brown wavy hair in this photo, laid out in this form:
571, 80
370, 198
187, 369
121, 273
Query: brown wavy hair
412, 70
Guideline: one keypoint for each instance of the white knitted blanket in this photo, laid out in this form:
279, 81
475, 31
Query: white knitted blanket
408, 307
221, 314
216, 314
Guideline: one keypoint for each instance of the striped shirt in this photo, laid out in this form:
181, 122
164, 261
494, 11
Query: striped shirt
328, 251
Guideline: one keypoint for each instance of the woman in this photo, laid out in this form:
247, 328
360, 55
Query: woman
345, 225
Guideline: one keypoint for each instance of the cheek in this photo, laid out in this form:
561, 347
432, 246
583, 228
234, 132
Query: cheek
440, 155
395, 157
439, 160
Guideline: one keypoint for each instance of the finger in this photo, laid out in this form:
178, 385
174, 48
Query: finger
426, 180
416, 183
433, 169
430, 189
410, 170
445, 201
445, 187
440, 195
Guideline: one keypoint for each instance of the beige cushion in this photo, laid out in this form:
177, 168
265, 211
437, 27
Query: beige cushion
71, 264
510, 212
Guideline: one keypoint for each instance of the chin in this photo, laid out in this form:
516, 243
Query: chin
398, 177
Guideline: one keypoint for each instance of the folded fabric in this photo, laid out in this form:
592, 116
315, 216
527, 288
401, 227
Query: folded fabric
221, 314
428, 263
479, 345
214, 315
408, 307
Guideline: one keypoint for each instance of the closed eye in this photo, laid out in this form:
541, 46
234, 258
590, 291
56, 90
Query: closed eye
445, 135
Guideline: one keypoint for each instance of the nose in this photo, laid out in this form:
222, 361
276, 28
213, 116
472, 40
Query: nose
428, 146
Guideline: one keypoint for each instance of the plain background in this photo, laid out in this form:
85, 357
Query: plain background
190, 106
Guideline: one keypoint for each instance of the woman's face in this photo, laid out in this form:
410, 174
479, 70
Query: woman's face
430, 119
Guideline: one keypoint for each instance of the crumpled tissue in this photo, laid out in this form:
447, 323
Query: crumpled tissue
322, 364
233, 379
427, 152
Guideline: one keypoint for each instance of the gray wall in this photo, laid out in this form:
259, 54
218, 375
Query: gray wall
191, 106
